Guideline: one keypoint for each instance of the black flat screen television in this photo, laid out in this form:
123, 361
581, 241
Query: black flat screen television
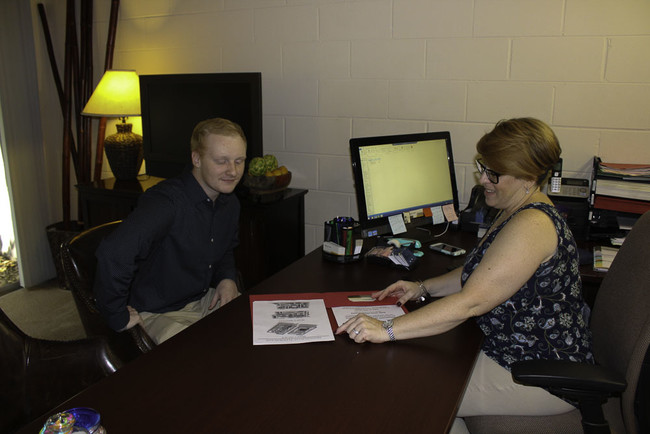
173, 104
393, 175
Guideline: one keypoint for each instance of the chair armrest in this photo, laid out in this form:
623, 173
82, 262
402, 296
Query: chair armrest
141, 338
566, 375
57, 370
88, 359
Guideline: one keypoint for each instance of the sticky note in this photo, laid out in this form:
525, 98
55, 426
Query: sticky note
397, 224
450, 213
437, 215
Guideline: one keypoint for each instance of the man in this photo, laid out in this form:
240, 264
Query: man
171, 260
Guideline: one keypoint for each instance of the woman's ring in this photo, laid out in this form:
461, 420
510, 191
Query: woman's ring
356, 331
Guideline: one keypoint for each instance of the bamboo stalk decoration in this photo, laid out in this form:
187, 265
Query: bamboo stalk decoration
57, 77
75, 96
67, 113
108, 64
74, 91
85, 88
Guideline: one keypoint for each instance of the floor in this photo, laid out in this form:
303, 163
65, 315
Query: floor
46, 311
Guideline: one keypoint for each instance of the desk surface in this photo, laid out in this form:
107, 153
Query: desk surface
211, 378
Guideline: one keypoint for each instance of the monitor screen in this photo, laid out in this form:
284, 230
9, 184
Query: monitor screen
173, 104
404, 173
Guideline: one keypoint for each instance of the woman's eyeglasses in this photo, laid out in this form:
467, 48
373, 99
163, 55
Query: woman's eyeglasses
492, 176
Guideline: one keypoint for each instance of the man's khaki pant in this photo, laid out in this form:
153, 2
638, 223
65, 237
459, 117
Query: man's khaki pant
162, 326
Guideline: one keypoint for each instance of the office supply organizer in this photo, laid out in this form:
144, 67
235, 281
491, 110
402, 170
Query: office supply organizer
341, 240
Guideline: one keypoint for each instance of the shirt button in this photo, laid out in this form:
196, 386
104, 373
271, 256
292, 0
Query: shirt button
212, 240
210, 266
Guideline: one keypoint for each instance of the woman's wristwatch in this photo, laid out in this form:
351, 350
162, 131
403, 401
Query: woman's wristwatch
388, 326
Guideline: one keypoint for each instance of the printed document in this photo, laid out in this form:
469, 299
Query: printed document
380, 312
290, 322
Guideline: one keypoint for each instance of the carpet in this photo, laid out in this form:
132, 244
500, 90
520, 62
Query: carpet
44, 312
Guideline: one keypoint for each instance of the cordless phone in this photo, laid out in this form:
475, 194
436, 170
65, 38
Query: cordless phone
555, 184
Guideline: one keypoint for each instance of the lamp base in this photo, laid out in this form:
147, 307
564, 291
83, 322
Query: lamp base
124, 152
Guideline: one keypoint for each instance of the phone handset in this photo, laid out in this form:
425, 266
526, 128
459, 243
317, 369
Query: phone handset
555, 183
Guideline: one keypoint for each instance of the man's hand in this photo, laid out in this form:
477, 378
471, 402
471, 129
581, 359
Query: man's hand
226, 292
134, 318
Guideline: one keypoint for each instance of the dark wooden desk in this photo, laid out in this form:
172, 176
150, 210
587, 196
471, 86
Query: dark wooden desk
210, 378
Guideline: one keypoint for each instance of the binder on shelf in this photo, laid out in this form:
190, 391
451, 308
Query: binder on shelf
621, 204
623, 188
620, 181
617, 190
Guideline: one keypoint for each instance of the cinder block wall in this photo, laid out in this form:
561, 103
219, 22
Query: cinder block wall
336, 69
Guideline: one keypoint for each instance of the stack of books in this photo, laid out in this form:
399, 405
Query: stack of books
620, 193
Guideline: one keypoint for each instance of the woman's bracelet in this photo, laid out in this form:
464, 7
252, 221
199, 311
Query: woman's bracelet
424, 293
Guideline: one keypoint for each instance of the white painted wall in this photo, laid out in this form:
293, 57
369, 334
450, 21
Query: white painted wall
335, 69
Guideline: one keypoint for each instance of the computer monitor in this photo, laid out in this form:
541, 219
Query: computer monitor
172, 104
402, 173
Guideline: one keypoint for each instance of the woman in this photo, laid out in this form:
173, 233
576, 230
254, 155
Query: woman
521, 282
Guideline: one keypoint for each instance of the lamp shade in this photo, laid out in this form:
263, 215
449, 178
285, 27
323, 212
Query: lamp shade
116, 95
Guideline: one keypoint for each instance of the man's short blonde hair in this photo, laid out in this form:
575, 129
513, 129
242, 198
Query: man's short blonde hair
218, 126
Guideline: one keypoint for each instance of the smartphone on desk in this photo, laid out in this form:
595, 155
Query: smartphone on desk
447, 249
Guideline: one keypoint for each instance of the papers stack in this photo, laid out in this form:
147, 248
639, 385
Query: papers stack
603, 257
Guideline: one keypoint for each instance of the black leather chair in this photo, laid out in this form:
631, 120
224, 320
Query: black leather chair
605, 393
79, 267
37, 375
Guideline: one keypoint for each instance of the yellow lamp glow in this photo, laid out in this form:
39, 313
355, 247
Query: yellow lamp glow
118, 95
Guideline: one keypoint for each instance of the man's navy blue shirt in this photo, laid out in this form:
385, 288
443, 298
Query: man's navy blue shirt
169, 251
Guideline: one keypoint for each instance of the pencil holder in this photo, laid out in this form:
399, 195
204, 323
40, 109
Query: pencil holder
341, 240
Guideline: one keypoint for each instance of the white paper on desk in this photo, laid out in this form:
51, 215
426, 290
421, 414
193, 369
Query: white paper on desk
279, 322
380, 312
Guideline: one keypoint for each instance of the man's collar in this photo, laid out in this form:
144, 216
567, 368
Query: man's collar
196, 192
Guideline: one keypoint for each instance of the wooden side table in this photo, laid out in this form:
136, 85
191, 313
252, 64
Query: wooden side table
111, 199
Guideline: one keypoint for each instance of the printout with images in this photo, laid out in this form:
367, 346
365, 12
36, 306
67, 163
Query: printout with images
278, 322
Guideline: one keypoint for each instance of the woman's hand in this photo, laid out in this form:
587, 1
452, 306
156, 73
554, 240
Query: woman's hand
402, 290
363, 328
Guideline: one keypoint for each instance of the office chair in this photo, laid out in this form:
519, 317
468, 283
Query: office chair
620, 323
37, 375
79, 267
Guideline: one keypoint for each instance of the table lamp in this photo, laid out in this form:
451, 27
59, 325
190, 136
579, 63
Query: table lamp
118, 95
